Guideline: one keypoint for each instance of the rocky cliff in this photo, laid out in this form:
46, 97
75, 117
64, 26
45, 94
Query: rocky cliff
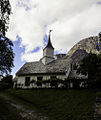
88, 44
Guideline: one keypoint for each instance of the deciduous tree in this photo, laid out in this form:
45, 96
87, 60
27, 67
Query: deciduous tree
6, 51
91, 66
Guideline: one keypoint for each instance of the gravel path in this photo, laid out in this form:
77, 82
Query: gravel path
25, 112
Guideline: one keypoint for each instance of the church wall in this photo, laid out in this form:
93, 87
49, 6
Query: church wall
21, 80
62, 77
47, 77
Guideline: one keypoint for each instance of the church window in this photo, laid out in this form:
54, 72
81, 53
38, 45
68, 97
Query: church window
27, 81
39, 78
53, 77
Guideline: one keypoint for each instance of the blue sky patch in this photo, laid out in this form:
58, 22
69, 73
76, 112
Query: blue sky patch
45, 40
36, 49
99, 2
24, 5
56, 52
17, 51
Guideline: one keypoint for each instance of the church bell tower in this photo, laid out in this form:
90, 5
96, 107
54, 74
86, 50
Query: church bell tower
48, 51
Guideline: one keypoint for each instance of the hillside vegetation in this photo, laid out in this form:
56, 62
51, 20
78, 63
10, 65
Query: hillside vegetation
59, 104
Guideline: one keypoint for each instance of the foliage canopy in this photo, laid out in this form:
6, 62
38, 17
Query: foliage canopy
6, 51
90, 65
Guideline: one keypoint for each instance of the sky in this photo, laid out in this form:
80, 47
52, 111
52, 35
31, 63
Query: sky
31, 20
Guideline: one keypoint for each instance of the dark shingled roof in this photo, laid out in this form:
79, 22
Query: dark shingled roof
55, 67
59, 56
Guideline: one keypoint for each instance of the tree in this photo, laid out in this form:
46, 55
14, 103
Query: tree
88, 65
91, 66
6, 51
8, 80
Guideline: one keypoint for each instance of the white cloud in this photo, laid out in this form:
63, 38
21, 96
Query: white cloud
69, 20
32, 56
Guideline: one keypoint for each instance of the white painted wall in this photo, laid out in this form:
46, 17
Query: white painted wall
48, 55
49, 52
21, 80
62, 77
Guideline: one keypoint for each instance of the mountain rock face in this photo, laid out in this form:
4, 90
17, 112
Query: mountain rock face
78, 52
89, 45
78, 55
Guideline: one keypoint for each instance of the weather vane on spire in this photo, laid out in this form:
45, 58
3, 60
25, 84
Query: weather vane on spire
50, 31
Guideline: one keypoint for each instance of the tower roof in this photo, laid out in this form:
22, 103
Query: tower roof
49, 44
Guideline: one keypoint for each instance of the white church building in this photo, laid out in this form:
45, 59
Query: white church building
50, 66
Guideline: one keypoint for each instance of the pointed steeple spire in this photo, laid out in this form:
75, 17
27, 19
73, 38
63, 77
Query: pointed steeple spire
49, 44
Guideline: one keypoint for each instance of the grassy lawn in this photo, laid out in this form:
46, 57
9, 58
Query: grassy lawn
59, 104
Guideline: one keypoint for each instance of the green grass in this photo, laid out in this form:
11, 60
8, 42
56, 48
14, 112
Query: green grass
98, 94
59, 104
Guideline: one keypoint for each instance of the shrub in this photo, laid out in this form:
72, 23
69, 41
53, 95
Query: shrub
6, 82
54, 83
66, 83
39, 83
